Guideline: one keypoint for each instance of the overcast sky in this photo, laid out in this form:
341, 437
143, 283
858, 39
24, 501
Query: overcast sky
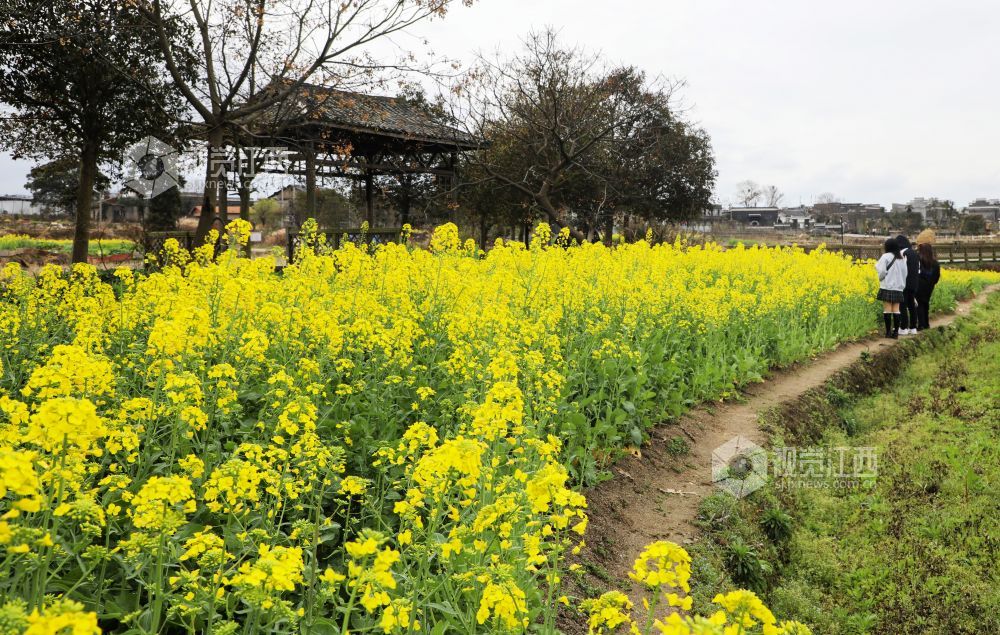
876, 101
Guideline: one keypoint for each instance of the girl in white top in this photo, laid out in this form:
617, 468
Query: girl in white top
891, 268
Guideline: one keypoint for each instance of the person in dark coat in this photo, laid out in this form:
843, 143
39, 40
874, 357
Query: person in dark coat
908, 307
930, 273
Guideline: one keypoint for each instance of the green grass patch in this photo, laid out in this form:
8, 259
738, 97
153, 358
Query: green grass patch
916, 552
98, 247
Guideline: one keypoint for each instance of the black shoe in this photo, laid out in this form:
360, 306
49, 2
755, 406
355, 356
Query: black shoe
895, 334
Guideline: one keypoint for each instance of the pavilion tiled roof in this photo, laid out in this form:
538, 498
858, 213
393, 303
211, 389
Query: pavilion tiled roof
372, 115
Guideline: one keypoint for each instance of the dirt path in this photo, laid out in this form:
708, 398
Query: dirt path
656, 496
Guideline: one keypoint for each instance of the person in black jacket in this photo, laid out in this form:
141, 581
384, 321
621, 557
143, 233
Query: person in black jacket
930, 273
908, 308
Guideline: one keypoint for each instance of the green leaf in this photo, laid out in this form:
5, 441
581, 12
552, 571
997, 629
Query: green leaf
636, 434
442, 607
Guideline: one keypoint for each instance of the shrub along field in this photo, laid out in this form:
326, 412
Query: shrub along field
368, 441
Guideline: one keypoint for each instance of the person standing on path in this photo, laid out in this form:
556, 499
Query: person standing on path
908, 308
928, 276
891, 268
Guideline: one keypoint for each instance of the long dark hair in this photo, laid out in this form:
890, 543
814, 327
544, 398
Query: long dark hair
892, 247
926, 253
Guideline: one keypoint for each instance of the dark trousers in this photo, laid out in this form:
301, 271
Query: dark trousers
924, 308
908, 310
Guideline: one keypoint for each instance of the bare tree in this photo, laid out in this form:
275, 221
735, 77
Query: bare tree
748, 193
772, 195
557, 108
254, 55
827, 197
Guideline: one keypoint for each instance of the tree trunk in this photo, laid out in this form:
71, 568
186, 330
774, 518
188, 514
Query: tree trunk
245, 205
557, 222
609, 229
223, 196
542, 198
84, 202
211, 188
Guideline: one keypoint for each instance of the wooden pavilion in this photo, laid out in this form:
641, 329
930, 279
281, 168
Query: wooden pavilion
330, 133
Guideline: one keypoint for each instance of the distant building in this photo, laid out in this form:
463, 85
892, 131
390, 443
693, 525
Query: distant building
119, 209
286, 195
286, 198
127, 207
917, 205
232, 211
713, 210
191, 204
16, 205
755, 216
844, 209
989, 209
796, 218
190, 200
857, 217
930, 209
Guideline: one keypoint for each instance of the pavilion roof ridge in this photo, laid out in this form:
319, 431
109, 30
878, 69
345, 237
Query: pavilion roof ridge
376, 115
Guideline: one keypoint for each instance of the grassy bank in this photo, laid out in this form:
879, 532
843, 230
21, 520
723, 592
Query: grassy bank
913, 550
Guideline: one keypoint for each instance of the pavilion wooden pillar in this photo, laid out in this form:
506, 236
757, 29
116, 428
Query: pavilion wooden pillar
453, 169
369, 198
404, 207
223, 195
310, 210
210, 199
